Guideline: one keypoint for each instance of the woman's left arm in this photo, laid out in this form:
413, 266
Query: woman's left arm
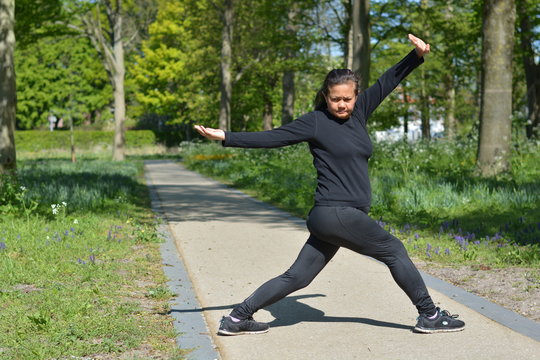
375, 94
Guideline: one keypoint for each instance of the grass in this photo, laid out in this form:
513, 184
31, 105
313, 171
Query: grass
427, 194
80, 266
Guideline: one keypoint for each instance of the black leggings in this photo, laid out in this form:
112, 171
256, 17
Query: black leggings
331, 228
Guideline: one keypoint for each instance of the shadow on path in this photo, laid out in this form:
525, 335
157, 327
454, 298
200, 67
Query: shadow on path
289, 311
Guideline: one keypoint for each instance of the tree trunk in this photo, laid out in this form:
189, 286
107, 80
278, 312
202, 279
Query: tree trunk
118, 86
268, 112
226, 61
405, 114
72, 139
450, 123
350, 51
287, 106
111, 52
348, 34
425, 104
7, 87
425, 111
532, 73
496, 108
361, 38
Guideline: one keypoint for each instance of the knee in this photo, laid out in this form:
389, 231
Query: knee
296, 280
392, 252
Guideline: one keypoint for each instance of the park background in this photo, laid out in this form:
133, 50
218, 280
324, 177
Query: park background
455, 170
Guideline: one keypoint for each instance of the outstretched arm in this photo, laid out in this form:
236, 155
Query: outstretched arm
375, 94
302, 129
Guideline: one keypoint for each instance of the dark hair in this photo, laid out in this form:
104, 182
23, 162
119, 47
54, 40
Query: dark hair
335, 77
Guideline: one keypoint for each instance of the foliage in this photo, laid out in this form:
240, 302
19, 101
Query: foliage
63, 77
452, 28
37, 19
176, 71
72, 274
420, 193
173, 76
264, 55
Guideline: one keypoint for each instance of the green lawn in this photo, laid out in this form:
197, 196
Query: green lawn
80, 266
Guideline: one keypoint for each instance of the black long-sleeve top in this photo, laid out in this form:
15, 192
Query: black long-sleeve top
340, 147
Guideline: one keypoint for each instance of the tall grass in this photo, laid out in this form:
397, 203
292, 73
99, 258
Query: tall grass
425, 193
79, 264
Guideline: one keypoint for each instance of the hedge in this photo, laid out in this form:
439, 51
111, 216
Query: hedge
35, 140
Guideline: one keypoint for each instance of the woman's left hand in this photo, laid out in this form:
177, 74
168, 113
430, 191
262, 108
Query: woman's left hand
421, 47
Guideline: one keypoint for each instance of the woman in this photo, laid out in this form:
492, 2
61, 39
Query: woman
339, 142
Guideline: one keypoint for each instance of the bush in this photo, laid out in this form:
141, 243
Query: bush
36, 140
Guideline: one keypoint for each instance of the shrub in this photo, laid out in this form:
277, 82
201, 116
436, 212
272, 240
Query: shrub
35, 140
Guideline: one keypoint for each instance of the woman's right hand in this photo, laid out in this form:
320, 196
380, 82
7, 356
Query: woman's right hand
209, 133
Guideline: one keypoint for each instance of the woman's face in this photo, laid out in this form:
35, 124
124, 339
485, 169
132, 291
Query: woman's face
340, 99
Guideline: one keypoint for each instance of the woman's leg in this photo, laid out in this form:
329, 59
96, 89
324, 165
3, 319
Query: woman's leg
354, 229
312, 259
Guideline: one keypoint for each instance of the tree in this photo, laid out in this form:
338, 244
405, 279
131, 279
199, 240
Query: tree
361, 41
34, 19
7, 86
226, 62
112, 26
271, 43
496, 108
108, 41
60, 75
455, 30
287, 104
176, 71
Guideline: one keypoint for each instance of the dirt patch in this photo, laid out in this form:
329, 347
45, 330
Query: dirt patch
516, 289
26, 288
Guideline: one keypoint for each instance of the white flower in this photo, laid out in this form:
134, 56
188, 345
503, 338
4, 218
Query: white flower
23, 188
75, 221
64, 203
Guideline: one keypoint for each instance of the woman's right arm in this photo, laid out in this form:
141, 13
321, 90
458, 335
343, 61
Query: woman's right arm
210, 134
302, 129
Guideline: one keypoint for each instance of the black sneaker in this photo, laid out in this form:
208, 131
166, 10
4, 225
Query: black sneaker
248, 326
444, 322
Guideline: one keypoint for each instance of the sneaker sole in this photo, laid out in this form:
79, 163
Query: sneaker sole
230, 333
433, 331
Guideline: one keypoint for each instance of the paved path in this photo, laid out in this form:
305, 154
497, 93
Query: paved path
230, 244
